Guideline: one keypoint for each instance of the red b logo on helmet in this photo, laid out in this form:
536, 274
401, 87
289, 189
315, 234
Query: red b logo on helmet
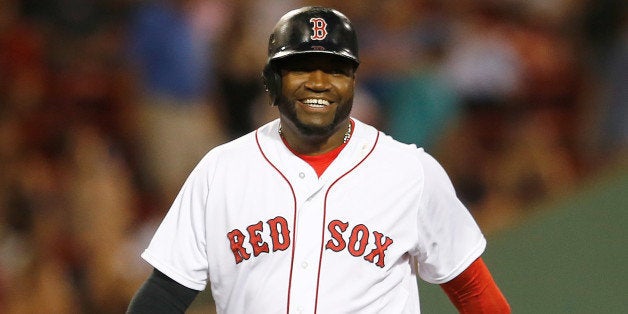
319, 28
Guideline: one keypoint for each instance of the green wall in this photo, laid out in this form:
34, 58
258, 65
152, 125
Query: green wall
569, 258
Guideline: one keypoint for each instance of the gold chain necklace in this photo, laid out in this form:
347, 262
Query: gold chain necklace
345, 139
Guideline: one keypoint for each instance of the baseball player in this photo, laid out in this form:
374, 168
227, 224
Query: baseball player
316, 212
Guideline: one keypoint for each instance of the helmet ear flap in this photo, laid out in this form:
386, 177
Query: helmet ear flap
272, 82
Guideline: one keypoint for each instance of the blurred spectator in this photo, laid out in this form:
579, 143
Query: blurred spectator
171, 44
604, 26
529, 132
419, 101
485, 70
615, 123
238, 73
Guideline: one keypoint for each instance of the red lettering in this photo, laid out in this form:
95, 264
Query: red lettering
363, 240
275, 225
280, 240
336, 228
379, 250
319, 28
256, 241
236, 238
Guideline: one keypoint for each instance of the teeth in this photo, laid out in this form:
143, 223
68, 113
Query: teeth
313, 102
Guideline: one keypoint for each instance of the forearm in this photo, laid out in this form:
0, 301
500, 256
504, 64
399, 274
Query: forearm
160, 294
475, 291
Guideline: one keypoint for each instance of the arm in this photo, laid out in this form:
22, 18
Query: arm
475, 291
160, 294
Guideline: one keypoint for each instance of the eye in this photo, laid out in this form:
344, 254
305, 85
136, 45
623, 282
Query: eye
340, 71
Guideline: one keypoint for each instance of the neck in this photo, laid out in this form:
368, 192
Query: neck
314, 145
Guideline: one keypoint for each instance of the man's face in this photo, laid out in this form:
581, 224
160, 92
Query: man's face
317, 92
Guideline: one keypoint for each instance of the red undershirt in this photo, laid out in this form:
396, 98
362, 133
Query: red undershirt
475, 291
322, 161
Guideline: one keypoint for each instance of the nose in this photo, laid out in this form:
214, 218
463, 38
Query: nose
318, 80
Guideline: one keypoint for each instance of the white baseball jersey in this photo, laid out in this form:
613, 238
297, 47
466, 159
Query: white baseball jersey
270, 236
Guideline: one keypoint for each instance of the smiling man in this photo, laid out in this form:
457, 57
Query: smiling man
316, 212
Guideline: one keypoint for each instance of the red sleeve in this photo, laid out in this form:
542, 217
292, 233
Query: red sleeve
475, 291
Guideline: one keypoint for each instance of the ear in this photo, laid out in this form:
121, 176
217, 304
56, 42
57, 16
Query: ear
272, 83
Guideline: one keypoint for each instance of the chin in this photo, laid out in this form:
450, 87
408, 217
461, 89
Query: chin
315, 129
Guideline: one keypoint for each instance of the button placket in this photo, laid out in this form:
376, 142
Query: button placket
309, 222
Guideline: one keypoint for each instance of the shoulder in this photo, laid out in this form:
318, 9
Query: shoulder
412, 160
393, 150
242, 149
245, 144
390, 155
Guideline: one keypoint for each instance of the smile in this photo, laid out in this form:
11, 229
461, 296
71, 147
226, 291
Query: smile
316, 103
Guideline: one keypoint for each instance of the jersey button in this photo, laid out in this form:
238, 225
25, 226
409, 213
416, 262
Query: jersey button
301, 175
304, 265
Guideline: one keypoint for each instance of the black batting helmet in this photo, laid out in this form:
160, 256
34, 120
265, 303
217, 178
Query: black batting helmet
304, 31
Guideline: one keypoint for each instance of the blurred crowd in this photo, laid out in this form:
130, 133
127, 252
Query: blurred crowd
106, 105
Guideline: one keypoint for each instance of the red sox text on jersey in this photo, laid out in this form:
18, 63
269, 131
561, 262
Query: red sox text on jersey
357, 241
